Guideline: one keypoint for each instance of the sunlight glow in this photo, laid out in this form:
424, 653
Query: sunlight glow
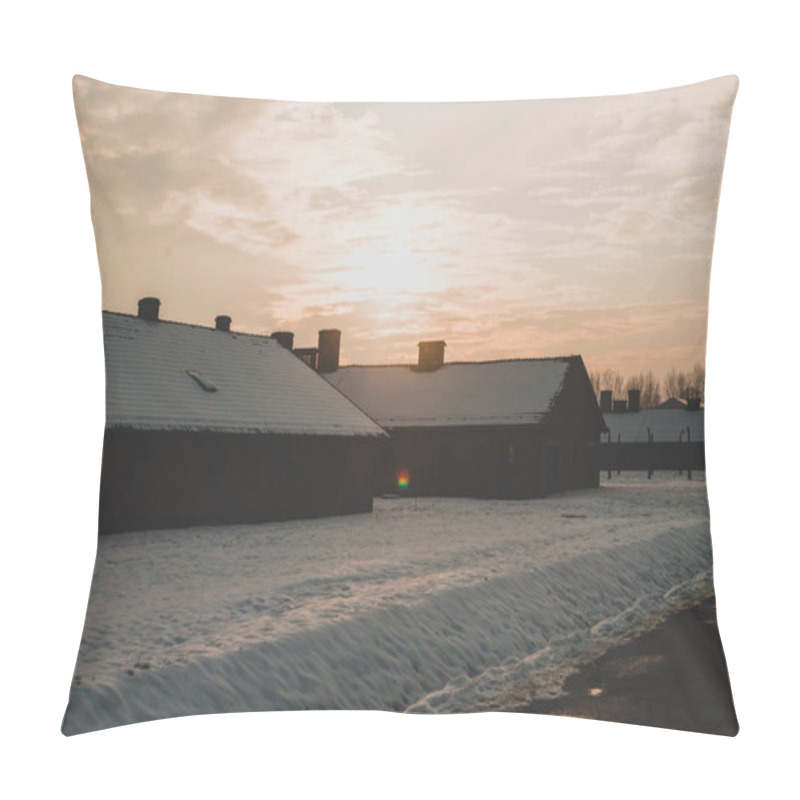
395, 245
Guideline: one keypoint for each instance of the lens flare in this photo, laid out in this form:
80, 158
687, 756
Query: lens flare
402, 479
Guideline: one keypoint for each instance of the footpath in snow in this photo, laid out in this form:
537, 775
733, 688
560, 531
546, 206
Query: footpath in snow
430, 605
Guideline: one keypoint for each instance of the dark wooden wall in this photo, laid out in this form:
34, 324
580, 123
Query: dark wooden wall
501, 462
652, 455
512, 461
576, 410
159, 479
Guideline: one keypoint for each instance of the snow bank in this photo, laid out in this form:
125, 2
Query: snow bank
458, 605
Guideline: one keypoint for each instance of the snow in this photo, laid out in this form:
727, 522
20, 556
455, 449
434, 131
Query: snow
434, 605
665, 424
515, 392
259, 386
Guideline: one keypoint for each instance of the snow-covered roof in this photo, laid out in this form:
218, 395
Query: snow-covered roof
172, 376
665, 424
514, 392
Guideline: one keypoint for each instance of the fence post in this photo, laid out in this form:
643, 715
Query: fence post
689, 442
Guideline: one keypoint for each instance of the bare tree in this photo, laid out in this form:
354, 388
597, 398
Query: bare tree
649, 389
652, 390
611, 379
676, 383
683, 385
594, 377
697, 381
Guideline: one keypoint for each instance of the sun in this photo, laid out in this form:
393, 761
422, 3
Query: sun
394, 252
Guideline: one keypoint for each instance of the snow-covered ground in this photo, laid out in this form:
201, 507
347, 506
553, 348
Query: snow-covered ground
435, 605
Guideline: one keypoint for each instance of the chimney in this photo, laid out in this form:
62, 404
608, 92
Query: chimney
328, 350
431, 356
605, 400
634, 396
619, 406
222, 323
692, 403
148, 308
308, 355
284, 338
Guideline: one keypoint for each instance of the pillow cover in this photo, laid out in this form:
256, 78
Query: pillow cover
404, 407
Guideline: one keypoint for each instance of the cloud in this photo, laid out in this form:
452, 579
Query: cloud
500, 227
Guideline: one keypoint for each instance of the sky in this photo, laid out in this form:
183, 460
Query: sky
508, 229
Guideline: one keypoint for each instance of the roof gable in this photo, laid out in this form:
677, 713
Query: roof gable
513, 392
673, 402
173, 376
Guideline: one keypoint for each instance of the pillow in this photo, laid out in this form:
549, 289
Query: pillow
404, 407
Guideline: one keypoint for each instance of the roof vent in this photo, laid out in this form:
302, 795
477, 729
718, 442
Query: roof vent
431, 356
148, 308
222, 323
201, 380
